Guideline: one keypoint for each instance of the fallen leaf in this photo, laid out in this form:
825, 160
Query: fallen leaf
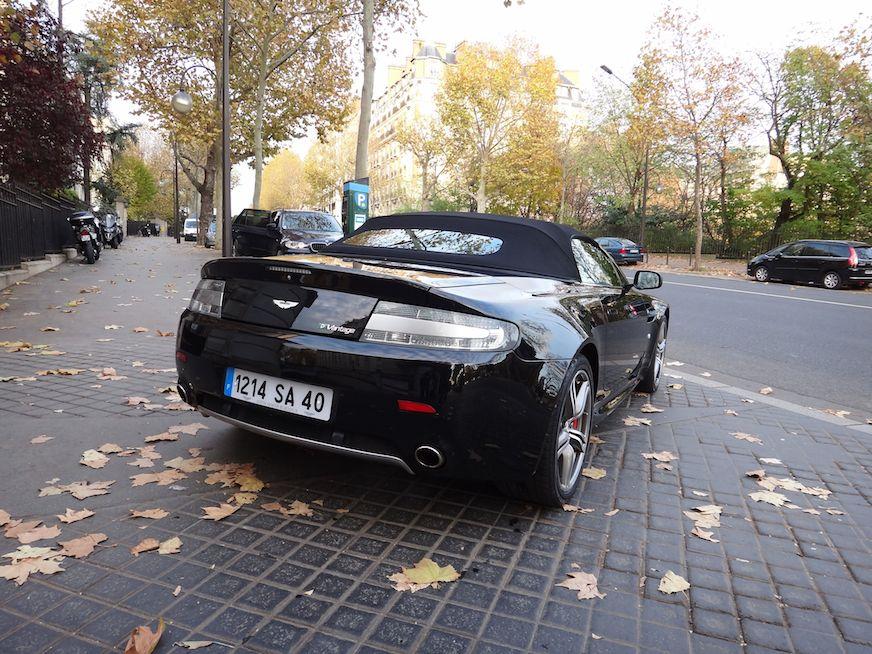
742, 436
674, 364
650, 408
296, 508
425, 573
37, 533
611, 513
108, 327
731, 412
49, 328
747, 400
249, 498
595, 636
178, 406
594, 440
143, 640
676, 387
141, 463
811, 511
193, 644
145, 545
576, 509
219, 512
191, 429
163, 436
705, 374
699, 532
705, 516
766, 390
584, 582
170, 546
699, 493
74, 516
834, 511
176, 591
136, 400
94, 459
153, 514
633, 421
37, 440
160, 333
771, 461
593, 473
759, 474
186, 465
837, 412
79, 548
163, 478
770, 497
672, 583
663, 466
664, 456
140, 330
26, 560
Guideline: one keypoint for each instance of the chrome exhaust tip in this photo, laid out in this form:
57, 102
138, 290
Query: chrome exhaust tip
428, 456
182, 392
187, 394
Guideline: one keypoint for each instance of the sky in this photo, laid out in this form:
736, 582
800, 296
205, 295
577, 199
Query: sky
580, 35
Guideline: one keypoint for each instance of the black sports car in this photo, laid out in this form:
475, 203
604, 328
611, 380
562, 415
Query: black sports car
466, 345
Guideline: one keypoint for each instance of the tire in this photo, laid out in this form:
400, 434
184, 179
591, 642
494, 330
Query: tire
114, 242
654, 370
831, 280
97, 252
88, 251
761, 273
548, 486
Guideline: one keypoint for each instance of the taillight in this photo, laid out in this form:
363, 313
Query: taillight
84, 232
622, 251
853, 259
415, 407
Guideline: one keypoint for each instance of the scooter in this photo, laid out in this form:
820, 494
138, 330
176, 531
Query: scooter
87, 235
110, 231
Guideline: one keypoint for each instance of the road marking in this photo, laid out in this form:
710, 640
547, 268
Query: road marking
786, 297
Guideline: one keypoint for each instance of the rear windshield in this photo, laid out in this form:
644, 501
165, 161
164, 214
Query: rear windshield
316, 222
864, 251
427, 240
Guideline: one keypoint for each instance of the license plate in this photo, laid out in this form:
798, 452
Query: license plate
277, 393
634, 251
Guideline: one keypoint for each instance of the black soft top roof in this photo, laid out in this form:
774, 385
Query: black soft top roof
530, 247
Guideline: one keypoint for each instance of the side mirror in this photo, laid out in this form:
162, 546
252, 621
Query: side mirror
646, 280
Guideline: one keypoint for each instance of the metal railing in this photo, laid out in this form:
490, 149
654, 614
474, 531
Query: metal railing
32, 224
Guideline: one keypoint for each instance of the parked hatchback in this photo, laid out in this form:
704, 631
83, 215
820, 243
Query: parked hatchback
623, 250
261, 233
832, 264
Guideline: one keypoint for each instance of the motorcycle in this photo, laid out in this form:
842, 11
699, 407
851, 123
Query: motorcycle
110, 231
86, 231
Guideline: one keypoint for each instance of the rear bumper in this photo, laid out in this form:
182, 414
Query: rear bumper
628, 258
493, 409
856, 276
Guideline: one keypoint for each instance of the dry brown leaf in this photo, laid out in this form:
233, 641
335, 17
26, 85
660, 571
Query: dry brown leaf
49, 328
595, 440
163, 478
79, 548
841, 413
584, 582
163, 436
109, 327
770, 497
664, 456
633, 421
146, 545
742, 436
135, 400
219, 512
672, 583
164, 334
149, 452
190, 430
109, 448
186, 465
771, 461
245, 498
143, 640
39, 533
26, 560
766, 390
153, 514
296, 508
663, 466
611, 513
576, 509
37, 440
17, 527
676, 387
699, 532
834, 511
699, 493
758, 474
170, 546
650, 408
731, 412
141, 463
425, 573
811, 511
705, 516
94, 459
593, 473
193, 644
176, 591
74, 516
140, 330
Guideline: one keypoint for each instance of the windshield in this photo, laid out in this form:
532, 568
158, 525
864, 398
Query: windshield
429, 240
310, 221
191, 223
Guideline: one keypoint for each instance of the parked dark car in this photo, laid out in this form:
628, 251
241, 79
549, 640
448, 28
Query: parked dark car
622, 250
260, 233
832, 264
462, 345
211, 234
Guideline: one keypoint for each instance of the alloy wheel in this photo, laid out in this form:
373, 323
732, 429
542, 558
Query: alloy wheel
832, 280
761, 274
659, 355
574, 434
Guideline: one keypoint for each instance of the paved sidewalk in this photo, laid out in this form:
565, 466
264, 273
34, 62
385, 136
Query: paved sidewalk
779, 579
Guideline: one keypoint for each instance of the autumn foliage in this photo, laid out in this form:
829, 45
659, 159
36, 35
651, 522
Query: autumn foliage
45, 127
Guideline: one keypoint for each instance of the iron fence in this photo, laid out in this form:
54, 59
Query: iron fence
32, 224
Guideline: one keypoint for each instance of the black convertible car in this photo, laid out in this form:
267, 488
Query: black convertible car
465, 345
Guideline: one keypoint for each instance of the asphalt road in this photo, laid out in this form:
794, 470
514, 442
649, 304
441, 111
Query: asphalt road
809, 341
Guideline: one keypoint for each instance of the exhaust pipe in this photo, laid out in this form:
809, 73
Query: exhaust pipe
186, 395
428, 456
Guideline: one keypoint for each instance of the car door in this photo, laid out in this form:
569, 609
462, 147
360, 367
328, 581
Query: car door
626, 333
239, 235
814, 259
786, 265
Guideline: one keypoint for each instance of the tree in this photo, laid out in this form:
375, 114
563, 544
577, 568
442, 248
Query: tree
328, 163
45, 127
424, 140
489, 94
284, 182
136, 184
701, 90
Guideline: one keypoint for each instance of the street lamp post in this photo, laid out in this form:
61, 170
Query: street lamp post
644, 209
227, 227
182, 103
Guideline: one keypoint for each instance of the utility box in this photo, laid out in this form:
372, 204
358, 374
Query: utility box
355, 204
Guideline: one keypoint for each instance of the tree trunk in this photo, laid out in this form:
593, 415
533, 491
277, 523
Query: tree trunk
725, 219
361, 158
425, 186
207, 193
258, 132
481, 192
697, 208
